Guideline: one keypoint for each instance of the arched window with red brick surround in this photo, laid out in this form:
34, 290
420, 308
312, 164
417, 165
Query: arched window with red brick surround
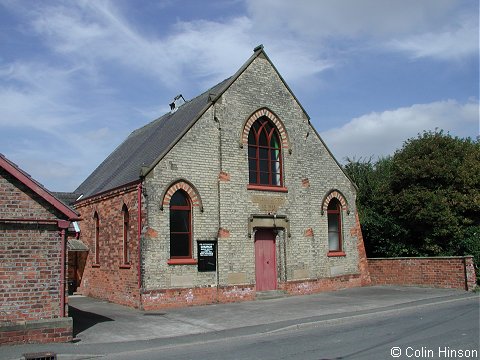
334, 215
335, 206
264, 154
180, 226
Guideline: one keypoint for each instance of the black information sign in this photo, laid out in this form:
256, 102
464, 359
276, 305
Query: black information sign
207, 255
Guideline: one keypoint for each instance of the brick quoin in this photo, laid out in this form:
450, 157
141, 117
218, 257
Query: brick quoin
309, 232
223, 176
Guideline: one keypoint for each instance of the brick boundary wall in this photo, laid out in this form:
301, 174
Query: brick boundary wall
454, 272
38, 331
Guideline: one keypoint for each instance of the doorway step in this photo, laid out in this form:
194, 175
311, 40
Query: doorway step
272, 294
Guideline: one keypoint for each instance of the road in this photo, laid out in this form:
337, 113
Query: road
443, 330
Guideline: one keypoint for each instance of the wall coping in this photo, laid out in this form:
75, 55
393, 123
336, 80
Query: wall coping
421, 257
37, 324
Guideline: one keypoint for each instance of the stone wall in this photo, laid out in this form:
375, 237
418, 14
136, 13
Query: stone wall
212, 159
455, 272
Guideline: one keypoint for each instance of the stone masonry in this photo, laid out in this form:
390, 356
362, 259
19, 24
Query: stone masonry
209, 162
213, 157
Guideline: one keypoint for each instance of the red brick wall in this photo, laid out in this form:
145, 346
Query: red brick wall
169, 298
18, 201
304, 287
56, 330
111, 280
29, 272
441, 272
29, 256
30, 267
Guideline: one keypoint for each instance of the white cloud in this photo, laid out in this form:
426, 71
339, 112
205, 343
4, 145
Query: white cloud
380, 134
350, 18
35, 95
447, 45
68, 92
97, 33
444, 29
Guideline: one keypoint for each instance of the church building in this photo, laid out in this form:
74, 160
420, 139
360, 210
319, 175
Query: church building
229, 196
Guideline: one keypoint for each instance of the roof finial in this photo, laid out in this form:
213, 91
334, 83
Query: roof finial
257, 48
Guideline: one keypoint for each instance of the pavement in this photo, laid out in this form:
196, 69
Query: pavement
101, 327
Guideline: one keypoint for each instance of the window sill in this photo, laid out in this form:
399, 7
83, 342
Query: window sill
336, 254
95, 265
125, 266
182, 262
267, 188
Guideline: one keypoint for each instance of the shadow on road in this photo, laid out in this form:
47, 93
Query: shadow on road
82, 320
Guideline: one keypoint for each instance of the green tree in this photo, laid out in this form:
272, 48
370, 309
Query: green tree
422, 201
381, 233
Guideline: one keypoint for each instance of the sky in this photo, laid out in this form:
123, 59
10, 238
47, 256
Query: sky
77, 77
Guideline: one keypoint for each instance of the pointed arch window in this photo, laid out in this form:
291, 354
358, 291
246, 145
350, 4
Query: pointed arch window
180, 226
126, 227
264, 154
96, 221
334, 215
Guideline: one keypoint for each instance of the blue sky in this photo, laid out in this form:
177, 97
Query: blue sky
76, 77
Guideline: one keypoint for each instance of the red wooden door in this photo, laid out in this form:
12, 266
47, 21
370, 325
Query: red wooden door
265, 264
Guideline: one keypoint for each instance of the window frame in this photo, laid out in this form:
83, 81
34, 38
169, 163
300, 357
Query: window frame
337, 212
257, 133
125, 240
180, 259
96, 220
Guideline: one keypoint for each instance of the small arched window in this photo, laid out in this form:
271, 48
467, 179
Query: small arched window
126, 227
96, 221
334, 215
180, 226
264, 154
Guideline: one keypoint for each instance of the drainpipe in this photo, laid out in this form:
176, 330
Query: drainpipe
220, 165
63, 224
139, 235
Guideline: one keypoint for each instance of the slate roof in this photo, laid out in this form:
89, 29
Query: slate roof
146, 144
67, 198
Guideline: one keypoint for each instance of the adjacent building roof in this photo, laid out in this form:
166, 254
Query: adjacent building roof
68, 198
37, 188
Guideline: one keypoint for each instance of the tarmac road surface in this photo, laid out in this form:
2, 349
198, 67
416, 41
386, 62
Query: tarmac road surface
347, 324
